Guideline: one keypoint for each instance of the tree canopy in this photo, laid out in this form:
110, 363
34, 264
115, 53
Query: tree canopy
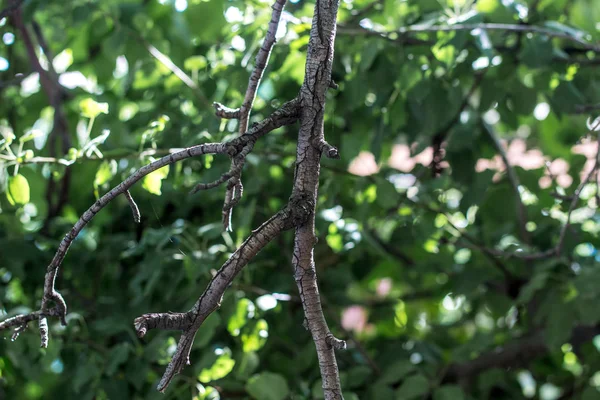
457, 214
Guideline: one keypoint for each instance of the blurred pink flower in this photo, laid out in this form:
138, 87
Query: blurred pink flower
364, 164
354, 318
400, 158
384, 286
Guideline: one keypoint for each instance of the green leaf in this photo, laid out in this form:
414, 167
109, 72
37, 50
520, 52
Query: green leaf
18, 190
220, 369
195, 63
357, 376
105, 173
246, 366
559, 324
256, 339
448, 392
118, 355
153, 181
537, 52
396, 372
244, 308
268, 386
413, 387
91, 109
590, 393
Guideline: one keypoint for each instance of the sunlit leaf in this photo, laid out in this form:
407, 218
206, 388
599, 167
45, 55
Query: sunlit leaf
268, 386
91, 109
18, 190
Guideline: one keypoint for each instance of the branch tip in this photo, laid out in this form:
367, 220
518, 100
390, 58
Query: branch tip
327, 149
43, 332
336, 343
226, 112
134, 208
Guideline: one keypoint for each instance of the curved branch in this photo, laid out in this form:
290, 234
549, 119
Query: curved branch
210, 300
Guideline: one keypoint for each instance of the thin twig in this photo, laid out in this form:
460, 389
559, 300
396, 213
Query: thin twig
469, 27
134, 208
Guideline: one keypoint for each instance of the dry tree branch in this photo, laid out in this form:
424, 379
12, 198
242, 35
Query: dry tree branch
50, 292
294, 213
234, 190
287, 114
298, 213
317, 80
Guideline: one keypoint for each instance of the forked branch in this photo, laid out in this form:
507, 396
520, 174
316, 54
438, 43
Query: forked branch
296, 212
238, 147
234, 192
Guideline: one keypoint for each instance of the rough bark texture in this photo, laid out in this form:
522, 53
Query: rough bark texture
310, 144
299, 213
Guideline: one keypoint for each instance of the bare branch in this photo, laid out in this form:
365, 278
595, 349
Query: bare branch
50, 293
327, 149
134, 208
210, 300
306, 183
167, 321
226, 112
22, 320
43, 331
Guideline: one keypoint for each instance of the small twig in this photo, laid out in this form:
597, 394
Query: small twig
586, 108
134, 208
226, 112
469, 27
16, 81
43, 331
327, 149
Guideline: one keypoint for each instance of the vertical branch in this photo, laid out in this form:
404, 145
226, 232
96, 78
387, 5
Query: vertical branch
234, 189
306, 182
54, 92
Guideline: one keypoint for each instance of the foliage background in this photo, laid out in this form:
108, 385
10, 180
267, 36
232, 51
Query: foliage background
404, 265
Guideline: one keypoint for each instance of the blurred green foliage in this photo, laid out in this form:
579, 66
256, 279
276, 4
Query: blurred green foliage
403, 265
